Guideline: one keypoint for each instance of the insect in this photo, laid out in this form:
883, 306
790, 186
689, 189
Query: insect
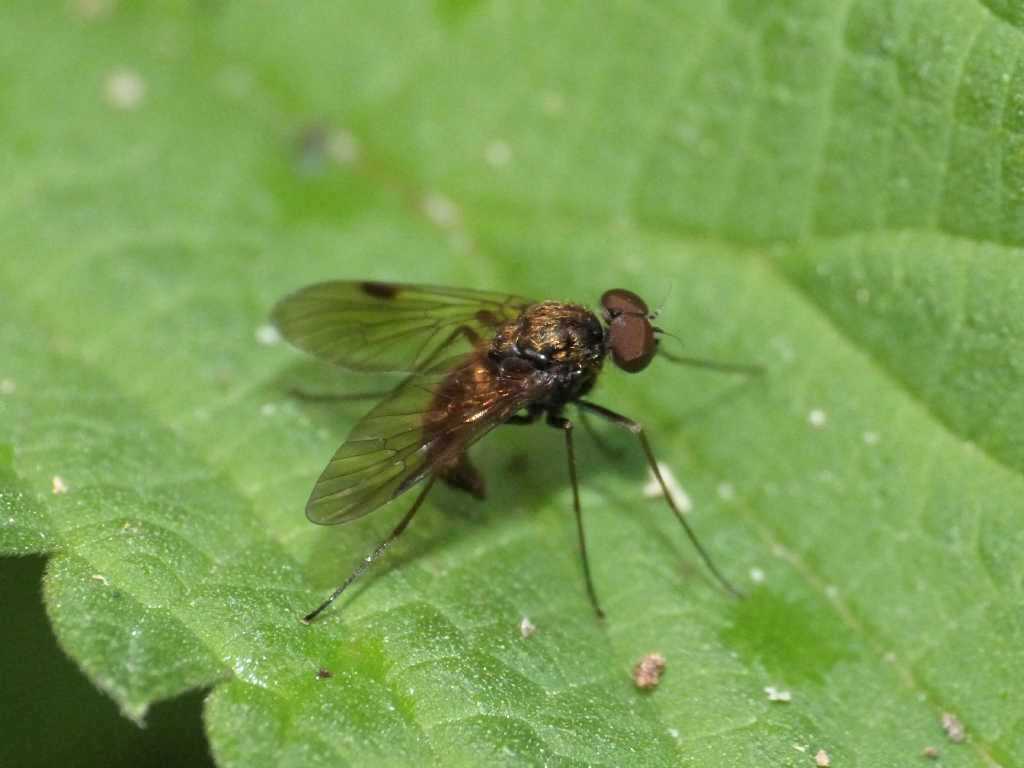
472, 360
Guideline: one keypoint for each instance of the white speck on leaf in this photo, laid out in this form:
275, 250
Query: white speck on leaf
235, 81
8, 387
552, 102
822, 760
92, 9
726, 492
817, 418
343, 147
442, 211
953, 727
268, 409
757, 575
870, 438
268, 335
124, 89
101, 578
652, 489
776, 694
58, 485
526, 627
498, 154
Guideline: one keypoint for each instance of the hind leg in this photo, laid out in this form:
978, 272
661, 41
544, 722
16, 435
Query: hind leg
465, 477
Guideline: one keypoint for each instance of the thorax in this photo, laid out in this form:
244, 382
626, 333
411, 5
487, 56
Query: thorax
562, 342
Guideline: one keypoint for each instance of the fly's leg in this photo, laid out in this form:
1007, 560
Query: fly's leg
635, 427
368, 560
565, 425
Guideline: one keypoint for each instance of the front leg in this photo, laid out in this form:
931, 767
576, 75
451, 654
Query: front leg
564, 424
635, 428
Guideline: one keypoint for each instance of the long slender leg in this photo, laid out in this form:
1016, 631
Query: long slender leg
712, 365
637, 429
566, 426
368, 560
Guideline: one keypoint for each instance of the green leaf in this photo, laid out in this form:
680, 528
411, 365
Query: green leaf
832, 190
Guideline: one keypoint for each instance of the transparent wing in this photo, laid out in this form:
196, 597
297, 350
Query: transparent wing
390, 326
425, 424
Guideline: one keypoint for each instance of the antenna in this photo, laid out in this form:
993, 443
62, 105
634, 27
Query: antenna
709, 365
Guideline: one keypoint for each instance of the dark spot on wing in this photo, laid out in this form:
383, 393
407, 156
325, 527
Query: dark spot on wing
380, 290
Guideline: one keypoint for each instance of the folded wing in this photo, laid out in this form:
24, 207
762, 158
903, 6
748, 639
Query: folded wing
390, 326
426, 423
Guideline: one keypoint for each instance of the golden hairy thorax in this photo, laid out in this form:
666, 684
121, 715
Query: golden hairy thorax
563, 334
563, 344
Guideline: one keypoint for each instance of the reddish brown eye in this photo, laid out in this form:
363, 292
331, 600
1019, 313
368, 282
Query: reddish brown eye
619, 301
631, 342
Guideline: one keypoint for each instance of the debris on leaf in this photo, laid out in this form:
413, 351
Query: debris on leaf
822, 760
953, 727
498, 154
552, 102
268, 335
647, 672
124, 89
343, 147
932, 753
526, 627
92, 9
58, 485
817, 418
324, 674
774, 694
101, 579
441, 210
652, 489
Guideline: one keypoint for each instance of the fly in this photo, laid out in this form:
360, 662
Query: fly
472, 360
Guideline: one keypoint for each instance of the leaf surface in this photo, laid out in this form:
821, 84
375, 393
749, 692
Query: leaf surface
832, 190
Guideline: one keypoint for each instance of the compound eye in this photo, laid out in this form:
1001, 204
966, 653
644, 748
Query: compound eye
631, 342
619, 301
